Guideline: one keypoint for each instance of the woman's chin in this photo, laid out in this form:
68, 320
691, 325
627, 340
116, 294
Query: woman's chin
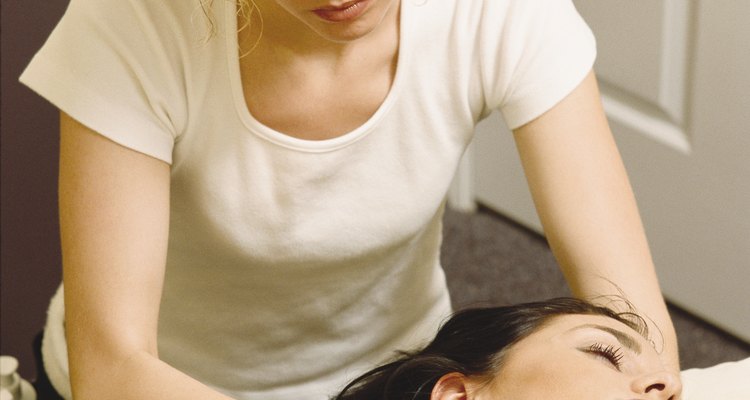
343, 34
347, 25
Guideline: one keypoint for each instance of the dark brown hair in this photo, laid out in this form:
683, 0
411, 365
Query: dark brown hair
471, 342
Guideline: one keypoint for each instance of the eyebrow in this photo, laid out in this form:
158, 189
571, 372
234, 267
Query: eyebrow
622, 337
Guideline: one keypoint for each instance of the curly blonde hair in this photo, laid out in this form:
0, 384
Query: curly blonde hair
245, 9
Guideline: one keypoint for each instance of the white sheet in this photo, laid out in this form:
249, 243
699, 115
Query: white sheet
727, 381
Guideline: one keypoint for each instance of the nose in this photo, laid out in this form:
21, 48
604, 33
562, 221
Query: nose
662, 385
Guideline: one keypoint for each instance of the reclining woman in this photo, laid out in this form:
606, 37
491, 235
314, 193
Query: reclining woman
560, 349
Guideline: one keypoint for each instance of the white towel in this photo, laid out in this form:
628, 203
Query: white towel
727, 381
54, 347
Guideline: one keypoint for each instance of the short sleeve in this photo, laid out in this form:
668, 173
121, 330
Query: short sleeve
110, 66
543, 51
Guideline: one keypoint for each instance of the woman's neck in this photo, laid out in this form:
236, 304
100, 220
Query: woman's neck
303, 85
274, 33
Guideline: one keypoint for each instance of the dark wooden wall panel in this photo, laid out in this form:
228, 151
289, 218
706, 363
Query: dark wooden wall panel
29, 253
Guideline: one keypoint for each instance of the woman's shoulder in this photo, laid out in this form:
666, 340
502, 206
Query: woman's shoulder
144, 7
141, 18
482, 16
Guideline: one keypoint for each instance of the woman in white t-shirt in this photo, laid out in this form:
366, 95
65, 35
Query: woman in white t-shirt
257, 215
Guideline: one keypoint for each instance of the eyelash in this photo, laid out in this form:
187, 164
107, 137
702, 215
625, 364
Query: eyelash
611, 353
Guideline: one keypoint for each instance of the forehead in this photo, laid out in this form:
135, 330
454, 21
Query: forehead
572, 322
562, 327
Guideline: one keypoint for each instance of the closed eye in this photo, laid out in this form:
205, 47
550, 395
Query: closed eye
611, 354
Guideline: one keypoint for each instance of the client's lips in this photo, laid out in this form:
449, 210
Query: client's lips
343, 12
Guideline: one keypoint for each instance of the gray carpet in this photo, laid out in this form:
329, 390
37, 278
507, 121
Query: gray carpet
490, 260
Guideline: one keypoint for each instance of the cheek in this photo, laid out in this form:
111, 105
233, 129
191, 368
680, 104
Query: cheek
293, 7
532, 377
548, 378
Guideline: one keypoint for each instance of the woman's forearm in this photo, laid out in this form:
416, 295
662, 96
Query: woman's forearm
140, 376
588, 209
608, 278
595, 231
114, 218
604, 265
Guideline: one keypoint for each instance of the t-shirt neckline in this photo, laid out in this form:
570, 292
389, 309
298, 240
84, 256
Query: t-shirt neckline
284, 140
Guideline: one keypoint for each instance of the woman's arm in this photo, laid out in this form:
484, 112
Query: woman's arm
114, 220
584, 200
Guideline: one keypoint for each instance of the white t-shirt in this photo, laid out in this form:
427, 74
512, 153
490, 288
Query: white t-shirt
294, 265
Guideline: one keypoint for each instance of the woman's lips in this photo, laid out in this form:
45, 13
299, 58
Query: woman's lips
345, 12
